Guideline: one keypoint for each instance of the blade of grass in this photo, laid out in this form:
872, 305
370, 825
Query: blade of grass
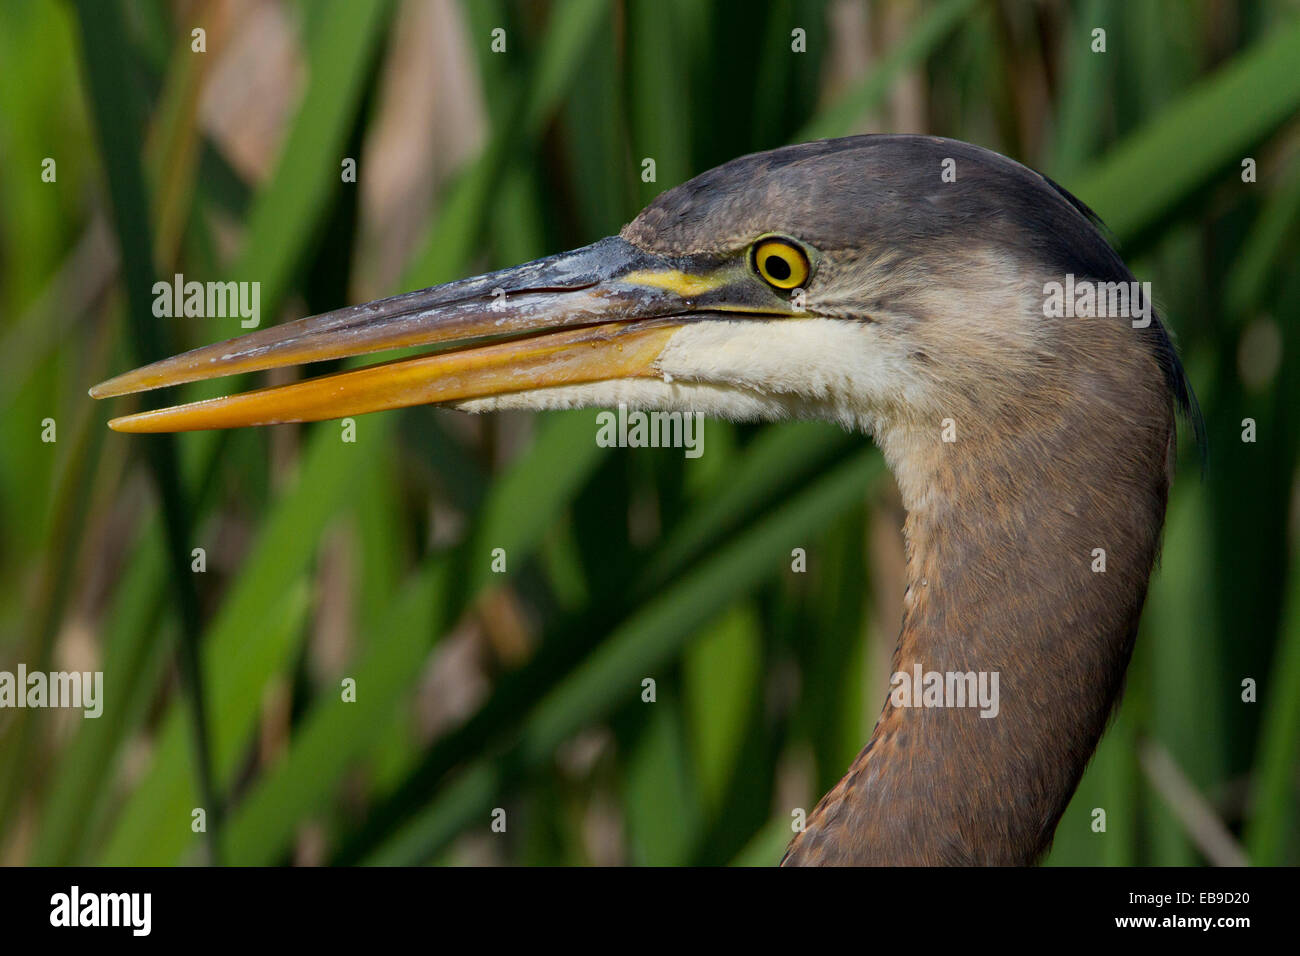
160, 818
514, 518
119, 121
572, 27
646, 641
135, 659
445, 255
722, 677
339, 48
74, 479
777, 461
1078, 120
1207, 129
751, 490
1271, 830
1194, 812
840, 117
334, 733
1186, 689
277, 560
1263, 252
660, 797
768, 845
658, 96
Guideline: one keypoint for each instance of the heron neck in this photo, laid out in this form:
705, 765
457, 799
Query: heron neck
1008, 601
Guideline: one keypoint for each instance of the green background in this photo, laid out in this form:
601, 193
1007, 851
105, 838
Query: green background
329, 560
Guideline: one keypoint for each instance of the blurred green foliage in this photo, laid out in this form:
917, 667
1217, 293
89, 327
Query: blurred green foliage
370, 560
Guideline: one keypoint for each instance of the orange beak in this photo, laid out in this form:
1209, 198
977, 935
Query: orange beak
602, 312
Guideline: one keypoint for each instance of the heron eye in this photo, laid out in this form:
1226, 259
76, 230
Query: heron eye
780, 263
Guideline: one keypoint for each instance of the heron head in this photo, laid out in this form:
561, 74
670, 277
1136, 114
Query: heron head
885, 282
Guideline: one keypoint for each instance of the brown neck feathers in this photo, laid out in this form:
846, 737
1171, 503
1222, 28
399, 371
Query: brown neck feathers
1014, 639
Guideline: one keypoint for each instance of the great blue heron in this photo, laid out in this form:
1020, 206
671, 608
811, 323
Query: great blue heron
894, 284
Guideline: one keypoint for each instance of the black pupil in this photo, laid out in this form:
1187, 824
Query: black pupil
777, 268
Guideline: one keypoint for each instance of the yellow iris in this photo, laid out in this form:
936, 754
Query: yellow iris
781, 263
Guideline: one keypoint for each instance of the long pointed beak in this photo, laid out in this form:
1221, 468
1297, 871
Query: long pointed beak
602, 312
